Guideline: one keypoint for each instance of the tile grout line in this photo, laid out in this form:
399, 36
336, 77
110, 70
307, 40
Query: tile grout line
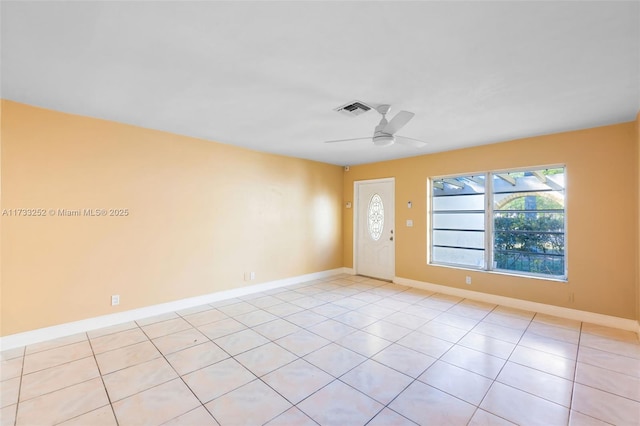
95, 359
233, 357
192, 326
370, 358
334, 379
260, 378
530, 321
24, 357
575, 372
104, 386
51, 367
476, 406
179, 375
298, 357
351, 309
416, 379
505, 363
162, 355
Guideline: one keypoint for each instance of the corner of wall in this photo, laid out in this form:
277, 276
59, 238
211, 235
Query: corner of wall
637, 137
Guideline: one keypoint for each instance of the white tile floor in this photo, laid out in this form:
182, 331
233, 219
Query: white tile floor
342, 351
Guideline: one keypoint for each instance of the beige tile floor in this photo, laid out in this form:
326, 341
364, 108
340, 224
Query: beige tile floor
342, 351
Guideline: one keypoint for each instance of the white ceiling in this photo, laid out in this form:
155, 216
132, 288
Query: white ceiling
267, 75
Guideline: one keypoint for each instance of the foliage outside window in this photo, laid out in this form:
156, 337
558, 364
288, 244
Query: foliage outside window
505, 221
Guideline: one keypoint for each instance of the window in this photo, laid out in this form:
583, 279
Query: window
510, 221
459, 221
375, 215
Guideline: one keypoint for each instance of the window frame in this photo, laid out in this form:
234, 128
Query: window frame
489, 224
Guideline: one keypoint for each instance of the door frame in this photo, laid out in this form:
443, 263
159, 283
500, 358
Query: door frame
356, 215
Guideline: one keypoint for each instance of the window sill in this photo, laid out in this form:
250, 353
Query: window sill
509, 274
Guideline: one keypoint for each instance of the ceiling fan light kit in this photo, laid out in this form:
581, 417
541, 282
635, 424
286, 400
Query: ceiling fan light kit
384, 140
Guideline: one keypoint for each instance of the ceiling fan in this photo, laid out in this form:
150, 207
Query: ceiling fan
385, 132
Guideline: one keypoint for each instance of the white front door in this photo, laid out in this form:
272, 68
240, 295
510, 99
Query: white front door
375, 224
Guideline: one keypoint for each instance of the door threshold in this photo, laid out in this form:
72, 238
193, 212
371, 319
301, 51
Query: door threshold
375, 278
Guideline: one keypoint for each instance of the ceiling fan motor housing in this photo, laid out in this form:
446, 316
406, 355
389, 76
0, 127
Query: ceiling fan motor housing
381, 138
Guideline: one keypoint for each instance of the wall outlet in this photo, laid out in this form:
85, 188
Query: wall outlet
252, 275
115, 300
467, 280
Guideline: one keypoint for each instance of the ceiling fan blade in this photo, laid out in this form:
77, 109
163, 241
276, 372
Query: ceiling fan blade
398, 122
416, 143
348, 140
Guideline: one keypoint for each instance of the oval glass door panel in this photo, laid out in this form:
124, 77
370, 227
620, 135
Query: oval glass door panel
375, 217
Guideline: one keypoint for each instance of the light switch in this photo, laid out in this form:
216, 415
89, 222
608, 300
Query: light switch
409, 223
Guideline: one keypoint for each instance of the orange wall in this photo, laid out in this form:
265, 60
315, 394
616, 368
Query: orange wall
638, 207
200, 215
602, 190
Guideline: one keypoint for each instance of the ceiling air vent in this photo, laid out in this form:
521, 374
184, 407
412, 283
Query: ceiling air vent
354, 108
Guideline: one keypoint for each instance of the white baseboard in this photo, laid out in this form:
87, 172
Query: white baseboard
62, 330
67, 329
573, 314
